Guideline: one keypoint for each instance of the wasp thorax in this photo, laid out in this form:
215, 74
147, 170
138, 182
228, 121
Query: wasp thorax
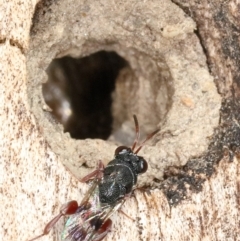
120, 175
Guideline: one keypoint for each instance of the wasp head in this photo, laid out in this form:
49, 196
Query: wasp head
125, 153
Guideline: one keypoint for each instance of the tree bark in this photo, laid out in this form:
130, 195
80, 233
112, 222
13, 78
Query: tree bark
195, 201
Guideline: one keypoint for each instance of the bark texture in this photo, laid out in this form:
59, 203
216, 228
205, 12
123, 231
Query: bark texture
197, 200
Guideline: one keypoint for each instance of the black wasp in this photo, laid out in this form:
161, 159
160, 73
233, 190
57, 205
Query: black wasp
110, 186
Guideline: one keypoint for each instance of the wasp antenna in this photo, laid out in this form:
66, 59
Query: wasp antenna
148, 138
137, 132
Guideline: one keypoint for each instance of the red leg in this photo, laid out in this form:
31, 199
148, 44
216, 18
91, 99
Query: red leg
66, 209
104, 230
96, 173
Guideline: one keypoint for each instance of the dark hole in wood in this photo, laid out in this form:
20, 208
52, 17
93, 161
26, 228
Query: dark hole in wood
79, 91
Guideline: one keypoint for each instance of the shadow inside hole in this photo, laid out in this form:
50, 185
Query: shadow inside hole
79, 91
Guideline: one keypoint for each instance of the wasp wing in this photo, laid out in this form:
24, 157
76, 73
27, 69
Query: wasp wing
91, 221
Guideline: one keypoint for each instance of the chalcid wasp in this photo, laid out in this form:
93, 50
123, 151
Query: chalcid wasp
110, 186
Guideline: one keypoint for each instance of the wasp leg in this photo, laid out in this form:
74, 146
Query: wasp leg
66, 209
96, 173
126, 215
125, 198
104, 230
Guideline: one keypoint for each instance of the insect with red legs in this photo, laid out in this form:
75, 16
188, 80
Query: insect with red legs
110, 187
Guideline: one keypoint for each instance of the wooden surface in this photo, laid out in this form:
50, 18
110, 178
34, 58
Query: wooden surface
34, 183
